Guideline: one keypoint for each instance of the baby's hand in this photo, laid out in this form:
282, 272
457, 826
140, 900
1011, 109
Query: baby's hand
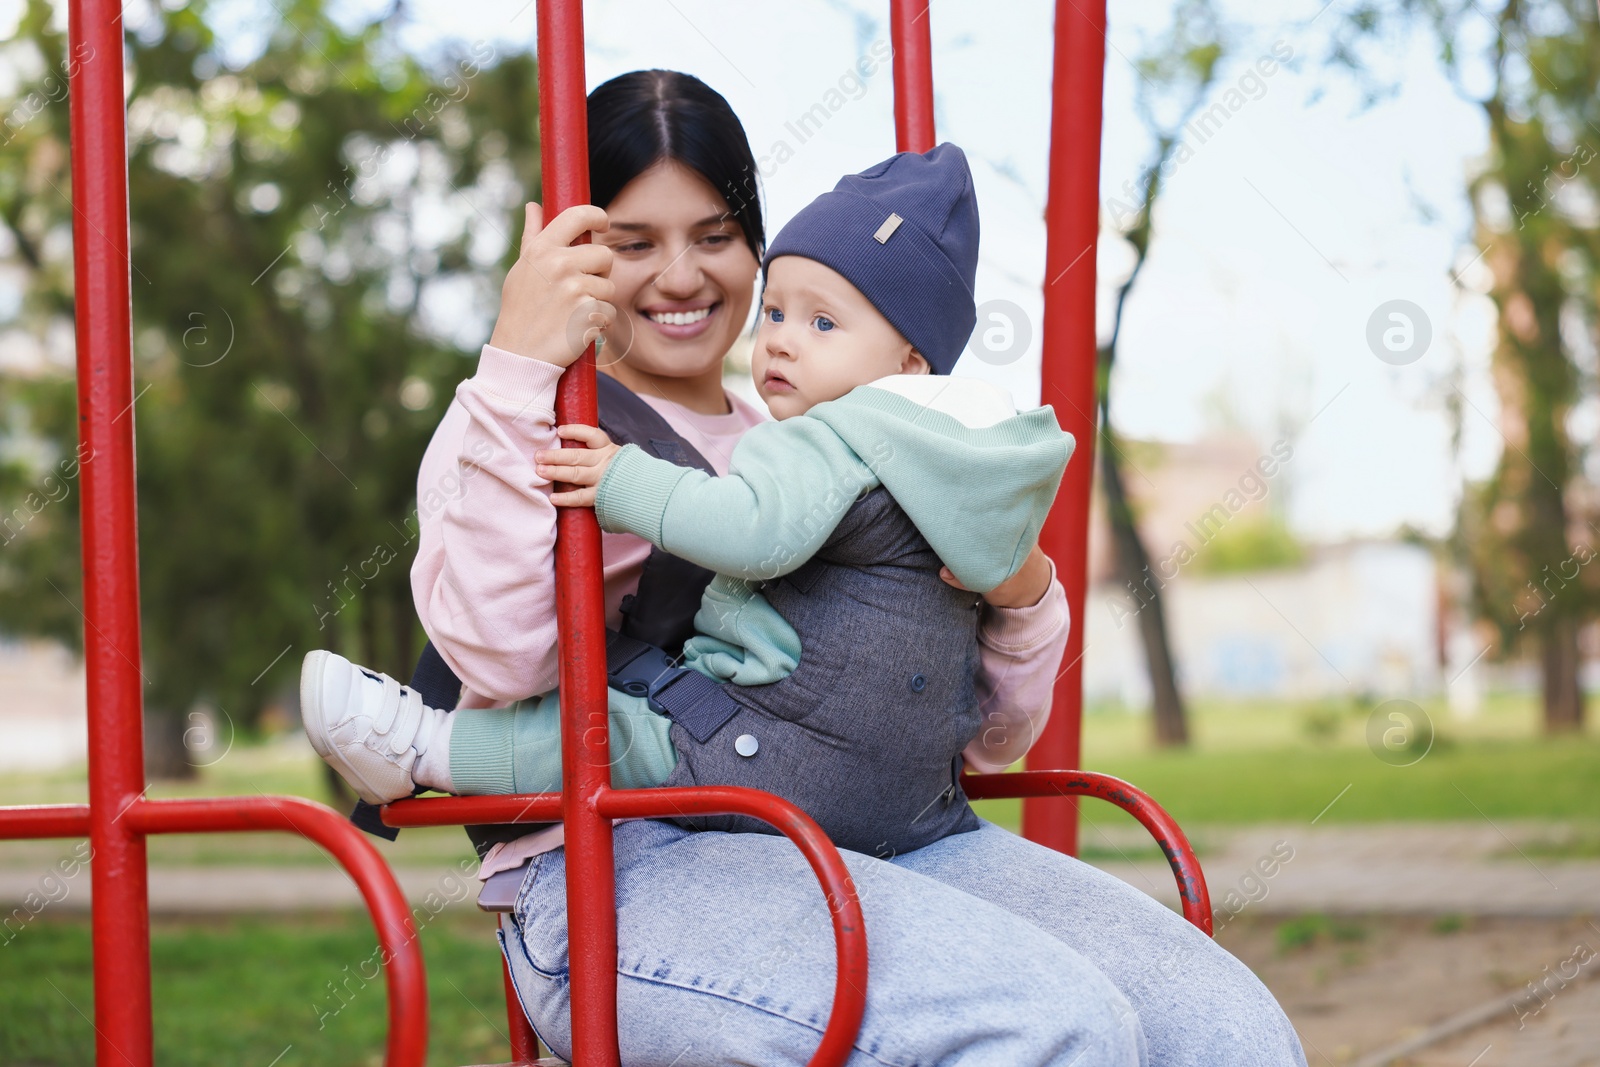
581, 467
1022, 590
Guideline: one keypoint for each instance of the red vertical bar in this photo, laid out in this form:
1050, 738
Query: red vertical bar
110, 548
913, 75
585, 749
1067, 377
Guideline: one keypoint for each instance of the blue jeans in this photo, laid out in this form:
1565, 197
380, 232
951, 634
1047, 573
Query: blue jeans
725, 956
1197, 1003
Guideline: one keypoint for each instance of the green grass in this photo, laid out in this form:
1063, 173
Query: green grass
1514, 780
1303, 931
1249, 763
251, 990
1262, 763
244, 990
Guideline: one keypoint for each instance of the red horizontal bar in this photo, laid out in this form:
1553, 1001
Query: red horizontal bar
391, 915
849, 925
44, 820
1180, 856
474, 811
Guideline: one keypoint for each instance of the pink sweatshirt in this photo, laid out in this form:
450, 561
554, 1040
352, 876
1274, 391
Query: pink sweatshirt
484, 576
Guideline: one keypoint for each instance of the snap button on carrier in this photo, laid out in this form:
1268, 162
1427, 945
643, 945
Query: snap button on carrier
918, 683
746, 744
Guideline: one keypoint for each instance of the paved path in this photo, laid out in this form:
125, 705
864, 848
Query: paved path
1565, 1034
1428, 869
1450, 868
210, 890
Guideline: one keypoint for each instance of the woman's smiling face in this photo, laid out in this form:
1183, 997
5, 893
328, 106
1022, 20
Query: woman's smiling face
684, 274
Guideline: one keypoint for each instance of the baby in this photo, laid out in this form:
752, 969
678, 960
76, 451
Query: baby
846, 664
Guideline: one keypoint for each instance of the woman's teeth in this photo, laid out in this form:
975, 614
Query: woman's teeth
680, 318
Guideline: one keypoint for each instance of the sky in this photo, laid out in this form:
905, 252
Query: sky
1277, 241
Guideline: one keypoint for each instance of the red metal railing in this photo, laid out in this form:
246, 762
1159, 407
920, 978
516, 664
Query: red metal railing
1067, 376
1067, 373
101, 272
913, 75
585, 740
1192, 892
118, 817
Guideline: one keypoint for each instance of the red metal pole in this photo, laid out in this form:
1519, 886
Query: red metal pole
110, 546
524, 1042
1067, 377
585, 746
913, 75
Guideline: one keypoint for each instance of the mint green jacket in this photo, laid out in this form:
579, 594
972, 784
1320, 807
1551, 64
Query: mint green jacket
976, 476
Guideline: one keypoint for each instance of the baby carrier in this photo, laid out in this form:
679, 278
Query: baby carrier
865, 734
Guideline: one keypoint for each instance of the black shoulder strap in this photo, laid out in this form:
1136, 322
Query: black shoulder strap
687, 697
661, 611
627, 418
435, 680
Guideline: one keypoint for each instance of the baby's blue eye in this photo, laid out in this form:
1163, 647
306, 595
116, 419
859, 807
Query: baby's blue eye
824, 324
774, 315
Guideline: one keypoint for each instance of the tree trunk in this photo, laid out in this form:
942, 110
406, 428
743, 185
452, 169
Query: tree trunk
341, 797
1536, 377
1559, 664
404, 623
165, 756
367, 635
1168, 714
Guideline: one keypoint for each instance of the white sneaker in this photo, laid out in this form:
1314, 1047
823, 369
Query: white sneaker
369, 727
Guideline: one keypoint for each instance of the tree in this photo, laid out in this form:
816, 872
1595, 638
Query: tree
1174, 77
1534, 72
317, 234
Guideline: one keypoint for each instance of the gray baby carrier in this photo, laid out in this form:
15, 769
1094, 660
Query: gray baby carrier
865, 735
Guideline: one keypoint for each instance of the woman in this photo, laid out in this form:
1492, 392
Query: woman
985, 948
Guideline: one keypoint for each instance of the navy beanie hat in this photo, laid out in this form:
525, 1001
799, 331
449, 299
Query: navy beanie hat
905, 233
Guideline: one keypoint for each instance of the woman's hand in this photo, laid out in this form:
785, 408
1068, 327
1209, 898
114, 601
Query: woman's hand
582, 467
1023, 589
557, 296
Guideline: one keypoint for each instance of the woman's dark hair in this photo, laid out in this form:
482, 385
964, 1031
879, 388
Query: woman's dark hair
638, 119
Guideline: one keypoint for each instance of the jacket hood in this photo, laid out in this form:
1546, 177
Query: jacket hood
976, 476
